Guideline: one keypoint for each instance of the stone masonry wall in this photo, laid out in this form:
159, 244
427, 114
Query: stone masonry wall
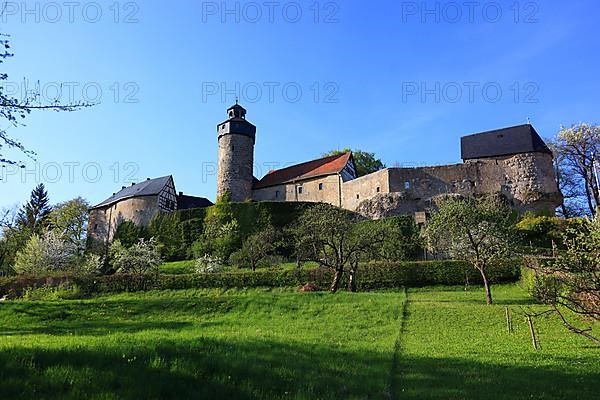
324, 189
357, 190
527, 180
236, 160
103, 222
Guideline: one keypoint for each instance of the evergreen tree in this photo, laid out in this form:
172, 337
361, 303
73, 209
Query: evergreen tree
33, 216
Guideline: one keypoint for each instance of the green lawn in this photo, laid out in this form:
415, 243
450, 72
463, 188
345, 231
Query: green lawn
453, 347
440, 343
178, 267
187, 267
200, 344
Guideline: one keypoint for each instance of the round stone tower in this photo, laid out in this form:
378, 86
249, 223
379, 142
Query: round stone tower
236, 155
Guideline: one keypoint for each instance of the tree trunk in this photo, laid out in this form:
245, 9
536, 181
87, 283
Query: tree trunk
336, 280
486, 285
589, 195
352, 280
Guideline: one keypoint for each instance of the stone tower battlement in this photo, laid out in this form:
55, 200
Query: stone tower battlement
236, 138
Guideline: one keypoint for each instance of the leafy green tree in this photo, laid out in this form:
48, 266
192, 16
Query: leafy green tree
33, 216
221, 234
141, 258
69, 220
167, 230
477, 230
366, 163
129, 234
48, 252
403, 240
332, 237
257, 250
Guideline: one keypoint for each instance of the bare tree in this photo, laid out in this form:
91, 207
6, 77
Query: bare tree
575, 149
572, 280
14, 110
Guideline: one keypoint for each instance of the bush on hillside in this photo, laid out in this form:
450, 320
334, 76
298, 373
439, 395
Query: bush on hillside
141, 258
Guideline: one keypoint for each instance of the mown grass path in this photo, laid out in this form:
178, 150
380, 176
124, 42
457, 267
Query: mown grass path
453, 346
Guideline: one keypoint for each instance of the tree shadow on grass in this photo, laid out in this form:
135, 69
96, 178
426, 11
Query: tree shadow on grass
448, 378
199, 369
95, 328
102, 318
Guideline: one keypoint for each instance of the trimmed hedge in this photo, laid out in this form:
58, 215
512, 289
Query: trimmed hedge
370, 277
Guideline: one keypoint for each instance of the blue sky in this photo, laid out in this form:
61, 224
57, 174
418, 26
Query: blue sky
402, 79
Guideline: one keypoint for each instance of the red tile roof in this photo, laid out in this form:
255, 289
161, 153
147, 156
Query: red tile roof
310, 169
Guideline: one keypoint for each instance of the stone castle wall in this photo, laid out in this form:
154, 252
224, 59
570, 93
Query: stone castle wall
527, 180
236, 159
326, 189
356, 191
103, 222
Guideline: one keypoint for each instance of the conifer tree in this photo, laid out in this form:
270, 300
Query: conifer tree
33, 216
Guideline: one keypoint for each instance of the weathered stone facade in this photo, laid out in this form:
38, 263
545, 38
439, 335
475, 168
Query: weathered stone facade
324, 189
138, 203
104, 221
526, 180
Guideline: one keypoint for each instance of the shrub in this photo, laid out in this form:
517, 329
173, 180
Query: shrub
540, 231
208, 264
141, 258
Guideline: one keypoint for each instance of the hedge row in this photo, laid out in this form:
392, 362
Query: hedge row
370, 277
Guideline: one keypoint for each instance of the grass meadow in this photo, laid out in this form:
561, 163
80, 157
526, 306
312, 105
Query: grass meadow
276, 344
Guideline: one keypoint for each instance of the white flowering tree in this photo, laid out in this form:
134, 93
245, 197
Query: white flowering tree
141, 258
45, 253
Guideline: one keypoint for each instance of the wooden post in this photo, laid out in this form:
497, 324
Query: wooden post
532, 331
508, 321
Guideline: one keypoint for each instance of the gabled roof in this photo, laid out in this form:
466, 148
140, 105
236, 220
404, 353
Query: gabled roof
185, 202
149, 187
502, 142
310, 169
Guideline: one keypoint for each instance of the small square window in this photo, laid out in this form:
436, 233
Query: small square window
277, 194
378, 189
357, 196
406, 185
300, 189
320, 186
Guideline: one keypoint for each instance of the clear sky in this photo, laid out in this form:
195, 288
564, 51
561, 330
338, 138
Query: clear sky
402, 79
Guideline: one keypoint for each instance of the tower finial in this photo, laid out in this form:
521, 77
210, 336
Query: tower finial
237, 100
528, 121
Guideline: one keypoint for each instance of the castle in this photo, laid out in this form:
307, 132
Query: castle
513, 161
